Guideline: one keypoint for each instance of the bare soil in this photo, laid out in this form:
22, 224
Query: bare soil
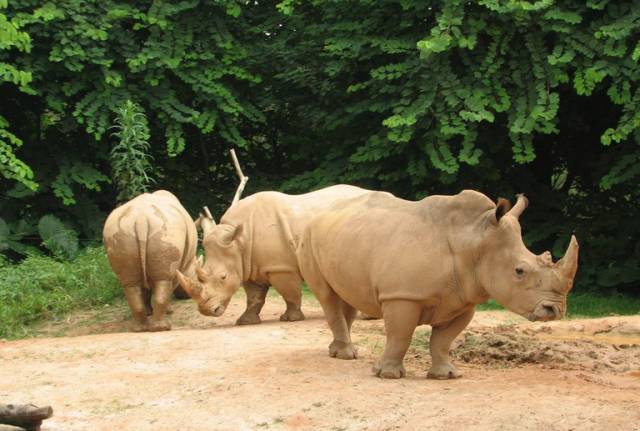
208, 374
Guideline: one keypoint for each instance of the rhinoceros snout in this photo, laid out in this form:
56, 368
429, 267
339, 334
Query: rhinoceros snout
218, 311
215, 311
546, 311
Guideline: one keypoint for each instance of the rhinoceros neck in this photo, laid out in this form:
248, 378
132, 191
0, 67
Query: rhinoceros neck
461, 219
464, 257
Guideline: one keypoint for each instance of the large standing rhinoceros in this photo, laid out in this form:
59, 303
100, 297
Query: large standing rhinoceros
255, 245
427, 262
147, 240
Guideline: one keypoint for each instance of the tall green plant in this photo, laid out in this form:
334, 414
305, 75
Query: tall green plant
130, 160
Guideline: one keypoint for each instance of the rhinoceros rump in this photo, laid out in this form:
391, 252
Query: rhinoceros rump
147, 240
255, 245
426, 262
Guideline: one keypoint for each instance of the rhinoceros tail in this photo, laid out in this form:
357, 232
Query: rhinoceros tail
142, 233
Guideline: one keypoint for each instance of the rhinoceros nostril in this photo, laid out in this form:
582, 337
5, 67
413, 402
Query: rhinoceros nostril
549, 310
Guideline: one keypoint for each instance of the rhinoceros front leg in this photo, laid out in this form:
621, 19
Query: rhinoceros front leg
134, 295
162, 292
400, 320
289, 286
256, 296
440, 343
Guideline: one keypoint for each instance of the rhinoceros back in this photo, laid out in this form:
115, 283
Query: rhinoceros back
274, 222
149, 238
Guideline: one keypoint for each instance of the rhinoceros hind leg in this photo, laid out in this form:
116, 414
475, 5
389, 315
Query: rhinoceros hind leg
161, 299
135, 299
288, 285
256, 296
400, 320
439, 344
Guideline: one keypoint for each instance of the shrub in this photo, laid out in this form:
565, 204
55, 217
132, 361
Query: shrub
42, 288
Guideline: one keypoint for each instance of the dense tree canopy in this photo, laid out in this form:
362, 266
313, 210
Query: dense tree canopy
411, 96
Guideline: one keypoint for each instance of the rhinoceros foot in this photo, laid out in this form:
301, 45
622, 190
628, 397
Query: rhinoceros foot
292, 316
248, 319
342, 350
159, 325
137, 326
388, 369
443, 372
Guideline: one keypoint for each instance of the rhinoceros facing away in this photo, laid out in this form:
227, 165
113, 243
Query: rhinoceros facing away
255, 245
427, 262
147, 240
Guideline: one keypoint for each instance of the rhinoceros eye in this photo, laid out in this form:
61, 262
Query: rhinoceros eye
519, 271
223, 276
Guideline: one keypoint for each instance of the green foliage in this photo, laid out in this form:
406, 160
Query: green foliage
413, 97
421, 97
42, 288
12, 38
130, 160
58, 238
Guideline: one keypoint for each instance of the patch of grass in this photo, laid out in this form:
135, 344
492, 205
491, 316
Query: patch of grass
489, 305
589, 305
41, 288
595, 305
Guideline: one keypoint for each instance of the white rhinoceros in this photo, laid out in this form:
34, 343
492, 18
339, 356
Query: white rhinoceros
427, 262
255, 245
147, 240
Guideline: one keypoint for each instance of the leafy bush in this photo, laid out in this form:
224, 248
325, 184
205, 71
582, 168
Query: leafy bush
58, 238
42, 288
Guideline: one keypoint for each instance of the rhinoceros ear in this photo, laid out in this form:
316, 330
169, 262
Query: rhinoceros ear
503, 206
230, 234
192, 288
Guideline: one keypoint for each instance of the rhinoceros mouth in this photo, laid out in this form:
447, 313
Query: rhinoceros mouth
545, 311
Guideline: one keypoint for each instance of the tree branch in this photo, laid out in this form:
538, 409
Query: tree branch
243, 179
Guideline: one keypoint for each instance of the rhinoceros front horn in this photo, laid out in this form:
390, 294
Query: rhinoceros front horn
568, 265
192, 288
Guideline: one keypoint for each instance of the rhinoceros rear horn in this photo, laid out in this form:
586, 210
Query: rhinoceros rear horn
521, 204
568, 265
192, 288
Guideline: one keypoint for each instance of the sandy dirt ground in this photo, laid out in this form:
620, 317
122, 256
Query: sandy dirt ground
207, 374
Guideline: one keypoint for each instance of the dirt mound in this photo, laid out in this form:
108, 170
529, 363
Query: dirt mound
599, 345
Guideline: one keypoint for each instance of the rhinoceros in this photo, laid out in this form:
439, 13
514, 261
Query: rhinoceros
255, 245
147, 240
427, 262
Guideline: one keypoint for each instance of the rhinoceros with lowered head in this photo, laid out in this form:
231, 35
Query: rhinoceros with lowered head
147, 240
427, 262
255, 246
